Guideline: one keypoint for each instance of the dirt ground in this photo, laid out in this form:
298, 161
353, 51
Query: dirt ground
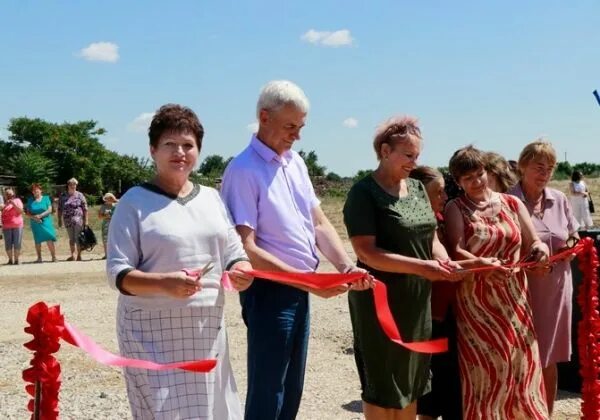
93, 391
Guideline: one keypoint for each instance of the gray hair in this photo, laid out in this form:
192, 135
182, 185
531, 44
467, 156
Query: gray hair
278, 93
72, 181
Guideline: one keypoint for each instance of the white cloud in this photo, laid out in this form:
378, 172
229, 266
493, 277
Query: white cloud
101, 51
350, 122
328, 39
252, 127
141, 123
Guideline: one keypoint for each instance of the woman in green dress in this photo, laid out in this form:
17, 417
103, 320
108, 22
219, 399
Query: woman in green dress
393, 232
39, 210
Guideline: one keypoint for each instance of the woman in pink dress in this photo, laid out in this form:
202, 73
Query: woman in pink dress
550, 291
12, 225
501, 372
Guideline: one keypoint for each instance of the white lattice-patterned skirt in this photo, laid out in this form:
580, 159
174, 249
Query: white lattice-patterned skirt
174, 335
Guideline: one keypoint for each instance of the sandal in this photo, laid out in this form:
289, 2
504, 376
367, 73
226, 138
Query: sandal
38, 261
70, 259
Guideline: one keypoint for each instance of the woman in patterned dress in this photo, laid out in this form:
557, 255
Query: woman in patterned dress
73, 212
501, 371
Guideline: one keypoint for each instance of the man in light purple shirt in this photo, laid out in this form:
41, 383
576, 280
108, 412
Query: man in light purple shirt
278, 216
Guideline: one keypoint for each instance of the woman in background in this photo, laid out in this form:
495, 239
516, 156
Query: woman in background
39, 210
12, 225
444, 400
501, 176
580, 200
105, 214
73, 211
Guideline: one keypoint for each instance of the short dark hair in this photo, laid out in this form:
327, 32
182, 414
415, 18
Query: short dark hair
576, 176
465, 160
177, 118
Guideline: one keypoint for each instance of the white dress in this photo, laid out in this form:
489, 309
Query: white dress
580, 205
155, 232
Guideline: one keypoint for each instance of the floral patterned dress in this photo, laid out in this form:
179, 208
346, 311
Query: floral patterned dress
500, 366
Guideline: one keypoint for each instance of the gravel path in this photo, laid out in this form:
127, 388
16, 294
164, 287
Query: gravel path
93, 391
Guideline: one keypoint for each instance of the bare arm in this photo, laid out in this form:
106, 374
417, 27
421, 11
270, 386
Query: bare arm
329, 242
264, 260
380, 259
176, 284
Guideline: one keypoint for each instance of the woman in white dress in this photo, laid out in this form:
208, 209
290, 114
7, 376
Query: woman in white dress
165, 314
580, 200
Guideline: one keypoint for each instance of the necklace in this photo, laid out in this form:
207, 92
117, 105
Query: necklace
479, 205
537, 207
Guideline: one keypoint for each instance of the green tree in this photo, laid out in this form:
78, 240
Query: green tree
333, 177
563, 170
31, 166
213, 166
121, 172
73, 147
312, 163
8, 151
362, 173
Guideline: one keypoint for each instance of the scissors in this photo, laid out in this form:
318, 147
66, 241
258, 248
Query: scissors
200, 273
207, 268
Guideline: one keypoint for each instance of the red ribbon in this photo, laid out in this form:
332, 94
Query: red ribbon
588, 331
48, 327
382, 309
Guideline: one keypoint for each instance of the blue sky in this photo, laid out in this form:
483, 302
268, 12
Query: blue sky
495, 75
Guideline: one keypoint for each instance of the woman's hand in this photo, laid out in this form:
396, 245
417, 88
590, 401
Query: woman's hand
499, 273
331, 292
239, 279
435, 270
364, 283
180, 285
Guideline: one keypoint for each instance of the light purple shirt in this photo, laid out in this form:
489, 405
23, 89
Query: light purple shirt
273, 195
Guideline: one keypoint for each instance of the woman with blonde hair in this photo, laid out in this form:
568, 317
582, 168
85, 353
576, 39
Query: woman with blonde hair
393, 231
550, 291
